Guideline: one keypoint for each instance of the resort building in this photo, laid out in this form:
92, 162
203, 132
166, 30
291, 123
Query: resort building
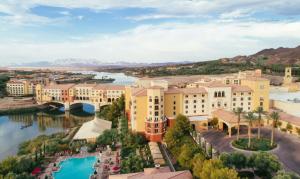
18, 88
70, 94
24, 87
152, 105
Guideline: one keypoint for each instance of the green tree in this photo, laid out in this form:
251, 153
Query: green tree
234, 160
286, 175
197, 164
298, 131
259, 111
238, 112
108, 137
186, 155
214, 169
275, 118
182, 125
250, 118
289, 127
214, 122
132, 164
8, 165
264, 163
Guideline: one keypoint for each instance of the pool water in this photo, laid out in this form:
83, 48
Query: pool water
76, 168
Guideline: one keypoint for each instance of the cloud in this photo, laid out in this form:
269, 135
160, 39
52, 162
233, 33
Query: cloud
164, 42
66, 13
164, 8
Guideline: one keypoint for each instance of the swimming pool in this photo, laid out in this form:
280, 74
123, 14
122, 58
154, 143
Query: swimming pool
76, 168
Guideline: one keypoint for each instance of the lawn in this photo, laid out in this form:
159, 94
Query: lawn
262, 144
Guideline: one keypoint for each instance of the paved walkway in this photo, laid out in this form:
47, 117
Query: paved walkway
288, 151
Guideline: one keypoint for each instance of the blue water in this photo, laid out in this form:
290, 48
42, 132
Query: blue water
76, 168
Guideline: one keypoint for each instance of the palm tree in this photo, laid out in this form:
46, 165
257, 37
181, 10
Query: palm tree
259, 111
238, 112
250, 118
275, 118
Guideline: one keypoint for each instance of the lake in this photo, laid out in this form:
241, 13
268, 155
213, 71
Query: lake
15, 129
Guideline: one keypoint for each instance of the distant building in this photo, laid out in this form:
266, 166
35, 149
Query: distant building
18, 88
153, 105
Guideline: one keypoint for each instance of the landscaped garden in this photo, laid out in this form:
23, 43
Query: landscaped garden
262, 144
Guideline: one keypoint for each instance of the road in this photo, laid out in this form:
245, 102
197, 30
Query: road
288, 150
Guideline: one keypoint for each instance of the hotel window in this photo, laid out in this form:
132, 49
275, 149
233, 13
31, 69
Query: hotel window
242, 94
156, 101
186, 107
249, 93
174, 102
203, 100
249, 98
174, 113
213, 105
186, 96
219, 104
186, 112
233, 104
195, 106
195, 96
249, 103
203, 111
242, 104
261, 104
156, 107
195, 101
194, 111
156, 113
234, 94
223, 94
242, 99
203, 95
156, 125
234, 99
150, 99
186, 101
216, 94
202, 106
156, 131
174, 107
225, 104
248, 108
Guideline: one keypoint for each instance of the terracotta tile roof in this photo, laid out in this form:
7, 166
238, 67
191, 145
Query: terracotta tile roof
85, 85
256, 78
227, 116
193, 90
140, 92
173, 91
108, 87
238, 88
287, 117
59, 86
152, 173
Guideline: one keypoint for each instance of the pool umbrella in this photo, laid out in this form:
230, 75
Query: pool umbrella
36, 171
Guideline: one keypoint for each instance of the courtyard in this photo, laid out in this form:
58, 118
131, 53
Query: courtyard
287, 150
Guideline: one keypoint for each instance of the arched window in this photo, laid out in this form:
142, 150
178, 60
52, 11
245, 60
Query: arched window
223, 94
219, 94
216, 94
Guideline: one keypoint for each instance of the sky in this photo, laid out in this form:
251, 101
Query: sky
144, 30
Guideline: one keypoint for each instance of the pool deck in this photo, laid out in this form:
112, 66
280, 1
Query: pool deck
108, 160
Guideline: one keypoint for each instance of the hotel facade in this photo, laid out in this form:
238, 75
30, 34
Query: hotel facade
152, 105
69, 94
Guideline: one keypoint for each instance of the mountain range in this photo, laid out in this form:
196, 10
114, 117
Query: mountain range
283, 56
